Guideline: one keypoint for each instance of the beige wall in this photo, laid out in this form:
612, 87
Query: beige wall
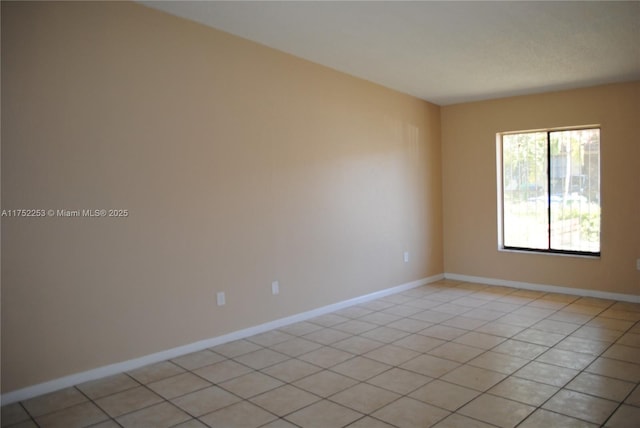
239, 165
469, 187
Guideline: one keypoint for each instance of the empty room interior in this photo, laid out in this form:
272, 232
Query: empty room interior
320, 214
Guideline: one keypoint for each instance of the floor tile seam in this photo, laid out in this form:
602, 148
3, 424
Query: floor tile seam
510, 355
401, 396
112, 420
549, 384
619, 360
359, 411
236, 356
351, 424
228, 359
478, 420
493, 394
210, 384
572, 417
468, 331
319, 398
577, 327
221, 386
289, 422
524, 341
535, 408
480, 393
371, 311
601, 355
113, 393
590, 340
475, 306
248, 400
624, 344
498, 310
321, 368
299, 357
325, 344
631, 327
524, 327
269, 365
484, 351
316, 402
429, 376
475, 331
538, 343
483, 368
561, 388
612, 329
75, 387
284, 383
359, 354
248, 339
431, 379
115, 418
442, 344
594, 314
461, 314
173, 360
359, 380
35, 418
358, 333
577, 323
604, 375
162, 399
554, 412
630, 394
29, 417
290, 356
537, 359
460, 364
418, 331
321, 325
617, 319
329, 369
21, 422
622, 403
599, 396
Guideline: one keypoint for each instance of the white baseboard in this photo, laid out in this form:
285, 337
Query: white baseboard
544, 287
124, 366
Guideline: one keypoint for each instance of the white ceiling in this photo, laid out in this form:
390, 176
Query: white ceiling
443, 52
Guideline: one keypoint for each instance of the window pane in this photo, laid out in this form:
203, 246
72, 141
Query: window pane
575, 190
525, 205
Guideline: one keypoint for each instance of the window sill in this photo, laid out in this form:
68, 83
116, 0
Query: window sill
549, 253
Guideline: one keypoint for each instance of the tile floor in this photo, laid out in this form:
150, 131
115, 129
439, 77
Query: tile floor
445, 355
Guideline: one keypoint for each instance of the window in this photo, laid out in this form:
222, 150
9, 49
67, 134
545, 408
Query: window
549, 186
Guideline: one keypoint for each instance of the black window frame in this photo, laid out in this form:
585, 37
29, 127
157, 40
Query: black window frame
501, 190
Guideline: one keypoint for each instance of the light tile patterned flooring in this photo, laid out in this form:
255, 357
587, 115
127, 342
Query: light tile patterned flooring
446, 355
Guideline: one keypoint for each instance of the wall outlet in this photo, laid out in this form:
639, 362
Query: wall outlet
221, 298
638, 264
406, 257
275, 287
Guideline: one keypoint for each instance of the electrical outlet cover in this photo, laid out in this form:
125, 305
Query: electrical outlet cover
221, 298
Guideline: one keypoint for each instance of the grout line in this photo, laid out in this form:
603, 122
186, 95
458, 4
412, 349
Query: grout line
449, 300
